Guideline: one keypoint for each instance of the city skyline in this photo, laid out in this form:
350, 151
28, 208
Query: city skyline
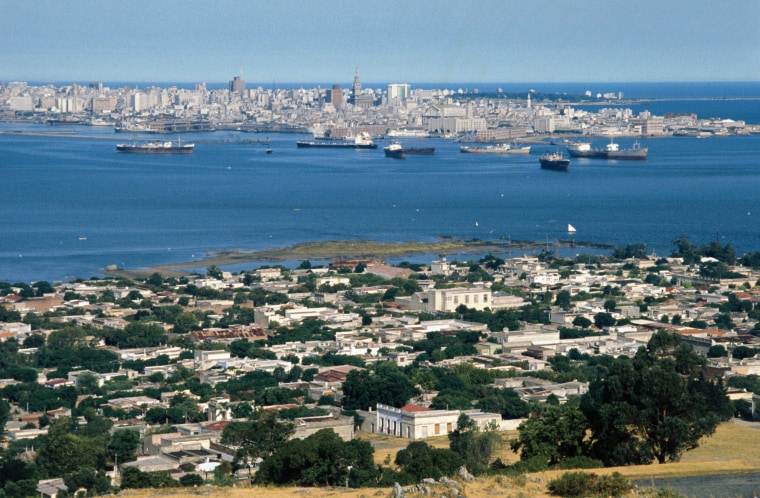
426, 41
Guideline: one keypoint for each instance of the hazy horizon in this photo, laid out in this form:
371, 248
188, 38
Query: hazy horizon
444, 41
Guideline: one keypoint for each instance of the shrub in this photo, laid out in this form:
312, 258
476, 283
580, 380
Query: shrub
584, 484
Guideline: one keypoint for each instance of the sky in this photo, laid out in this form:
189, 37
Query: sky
391, 41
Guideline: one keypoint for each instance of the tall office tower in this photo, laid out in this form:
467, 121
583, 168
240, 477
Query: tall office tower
400, 91
336, 96
237, 85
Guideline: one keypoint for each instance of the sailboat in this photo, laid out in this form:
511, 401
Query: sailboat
570, 229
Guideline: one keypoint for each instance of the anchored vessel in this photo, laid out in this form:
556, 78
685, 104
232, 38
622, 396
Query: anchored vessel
157, 148
495, 149
554, 161
395, 151
361, 141
611, 151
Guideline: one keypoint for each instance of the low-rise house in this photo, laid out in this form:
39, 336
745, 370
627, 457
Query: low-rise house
417, 422
306, 426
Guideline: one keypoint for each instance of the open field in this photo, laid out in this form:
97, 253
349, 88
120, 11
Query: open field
730, 450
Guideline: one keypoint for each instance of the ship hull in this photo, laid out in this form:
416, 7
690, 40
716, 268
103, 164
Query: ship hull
335, 145
590, 154
420, 151
495, 150
396, 154
555, 164
155, 149
583, 149
629, 155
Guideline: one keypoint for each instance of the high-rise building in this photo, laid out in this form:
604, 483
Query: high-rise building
237, 85
336, 96
400, 91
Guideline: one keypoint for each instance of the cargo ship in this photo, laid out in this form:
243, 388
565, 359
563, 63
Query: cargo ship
157, 148
361, 141
611, 151
495, 149
395, 151
554, 161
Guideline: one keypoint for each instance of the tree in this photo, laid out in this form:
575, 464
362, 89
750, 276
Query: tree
582, 322
322, 459
563, 300
420, 460
258, 437
653, 407
185, 322
136, 335
558, 435
475, 446
389, 386
602, 320
95, 482
88, 382
122, 445
63, 452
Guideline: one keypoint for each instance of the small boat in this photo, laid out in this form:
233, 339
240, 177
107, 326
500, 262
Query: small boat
395, 151
269, 149
570, 229
554, 161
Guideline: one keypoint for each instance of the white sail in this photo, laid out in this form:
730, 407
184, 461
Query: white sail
570, 228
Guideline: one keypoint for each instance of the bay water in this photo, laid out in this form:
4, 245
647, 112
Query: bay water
72, 205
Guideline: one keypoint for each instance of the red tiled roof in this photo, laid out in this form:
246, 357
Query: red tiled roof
414, 408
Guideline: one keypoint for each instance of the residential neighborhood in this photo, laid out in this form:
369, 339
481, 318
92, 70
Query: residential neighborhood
358, 347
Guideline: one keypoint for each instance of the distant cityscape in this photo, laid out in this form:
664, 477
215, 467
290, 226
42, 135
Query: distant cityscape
397, 110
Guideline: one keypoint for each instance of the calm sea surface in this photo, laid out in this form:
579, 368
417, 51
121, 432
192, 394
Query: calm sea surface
136, 211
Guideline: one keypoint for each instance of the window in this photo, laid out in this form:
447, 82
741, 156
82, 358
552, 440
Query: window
437, 429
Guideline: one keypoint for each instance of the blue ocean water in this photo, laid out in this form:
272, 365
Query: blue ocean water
137, 211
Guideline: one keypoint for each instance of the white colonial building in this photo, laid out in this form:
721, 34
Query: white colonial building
417, 422
448, 300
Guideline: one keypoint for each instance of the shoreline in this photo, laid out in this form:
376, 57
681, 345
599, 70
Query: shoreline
342, 249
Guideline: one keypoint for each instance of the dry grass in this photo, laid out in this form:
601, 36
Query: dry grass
729, 450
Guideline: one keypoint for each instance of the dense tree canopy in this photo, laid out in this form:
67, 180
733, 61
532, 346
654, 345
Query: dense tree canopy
387, 385
258, 437
653, 407
322, 459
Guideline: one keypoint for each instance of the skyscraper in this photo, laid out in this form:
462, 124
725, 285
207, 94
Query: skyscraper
237, 85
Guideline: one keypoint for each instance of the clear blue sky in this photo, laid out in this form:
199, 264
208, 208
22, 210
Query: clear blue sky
325, 41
